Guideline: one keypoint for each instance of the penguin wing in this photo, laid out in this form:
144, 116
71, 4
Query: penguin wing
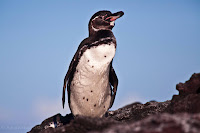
114, 82
71, 69
67, 76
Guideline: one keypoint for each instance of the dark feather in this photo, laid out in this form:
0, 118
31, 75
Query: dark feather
114, 82
87, 44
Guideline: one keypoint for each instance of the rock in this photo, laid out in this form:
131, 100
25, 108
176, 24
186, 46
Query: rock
80, 124
138, 111
53, 122
192, 86
189, 103
161, 123
179, 115
188, 99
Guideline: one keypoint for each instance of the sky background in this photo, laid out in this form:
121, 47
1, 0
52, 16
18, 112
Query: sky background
158, 47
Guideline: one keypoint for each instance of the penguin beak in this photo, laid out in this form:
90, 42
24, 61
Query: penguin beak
114, 16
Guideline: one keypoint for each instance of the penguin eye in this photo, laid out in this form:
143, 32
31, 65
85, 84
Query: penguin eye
101, 17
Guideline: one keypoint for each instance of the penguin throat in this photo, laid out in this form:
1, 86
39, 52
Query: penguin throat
112, 23
94, 29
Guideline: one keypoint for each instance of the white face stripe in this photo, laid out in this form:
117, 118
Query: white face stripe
94, 28
92, 24
95, 18
112, 23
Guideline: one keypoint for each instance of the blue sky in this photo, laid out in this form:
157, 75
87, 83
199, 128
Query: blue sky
158, 47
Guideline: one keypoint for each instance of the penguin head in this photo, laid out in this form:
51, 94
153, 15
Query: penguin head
103, 20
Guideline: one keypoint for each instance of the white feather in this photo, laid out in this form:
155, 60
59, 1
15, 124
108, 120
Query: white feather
90, 88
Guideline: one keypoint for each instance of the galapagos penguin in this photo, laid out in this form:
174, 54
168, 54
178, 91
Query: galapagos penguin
91, 79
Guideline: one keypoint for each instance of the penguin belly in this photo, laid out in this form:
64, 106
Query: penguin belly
90, 90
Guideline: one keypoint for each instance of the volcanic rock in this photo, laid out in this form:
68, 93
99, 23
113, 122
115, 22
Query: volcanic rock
179, 115
188, 99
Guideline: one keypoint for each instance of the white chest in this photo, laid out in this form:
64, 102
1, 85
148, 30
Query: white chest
90, 88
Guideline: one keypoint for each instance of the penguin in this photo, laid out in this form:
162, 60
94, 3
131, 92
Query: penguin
91, 80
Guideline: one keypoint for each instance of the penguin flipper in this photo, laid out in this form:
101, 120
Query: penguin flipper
70, 72
114, 82
67, 77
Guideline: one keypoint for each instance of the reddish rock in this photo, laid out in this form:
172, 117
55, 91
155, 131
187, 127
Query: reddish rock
192, 86
161, 123
188, 99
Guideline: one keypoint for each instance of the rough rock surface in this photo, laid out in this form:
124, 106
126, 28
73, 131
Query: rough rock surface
179, 115
138, 111
188, 99
161, 123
